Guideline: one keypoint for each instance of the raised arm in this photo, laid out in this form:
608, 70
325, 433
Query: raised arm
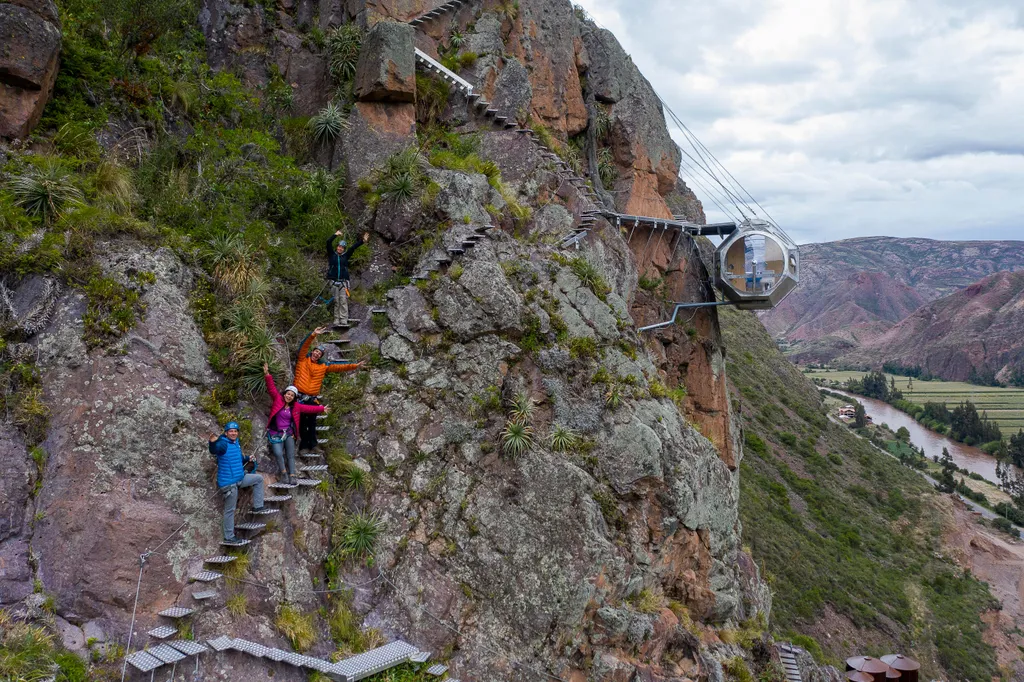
344, 367
304, 348
218, 447
302, 408
330, 243
271, 387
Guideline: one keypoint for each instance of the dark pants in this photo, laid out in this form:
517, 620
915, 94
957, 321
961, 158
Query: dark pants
307, 425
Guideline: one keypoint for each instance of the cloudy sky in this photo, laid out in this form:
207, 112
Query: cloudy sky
847, 118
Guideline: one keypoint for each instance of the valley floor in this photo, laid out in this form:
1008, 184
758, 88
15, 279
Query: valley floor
1005, 406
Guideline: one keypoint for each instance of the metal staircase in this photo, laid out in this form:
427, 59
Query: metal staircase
483, 109
787, 654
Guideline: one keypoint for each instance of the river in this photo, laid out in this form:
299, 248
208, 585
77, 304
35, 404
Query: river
965, 457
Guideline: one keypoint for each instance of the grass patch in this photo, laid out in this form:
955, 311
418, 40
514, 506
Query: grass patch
298, 627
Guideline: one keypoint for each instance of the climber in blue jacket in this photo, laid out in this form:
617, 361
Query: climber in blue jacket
231, 476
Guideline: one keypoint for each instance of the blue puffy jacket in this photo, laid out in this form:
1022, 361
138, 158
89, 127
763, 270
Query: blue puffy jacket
230, 461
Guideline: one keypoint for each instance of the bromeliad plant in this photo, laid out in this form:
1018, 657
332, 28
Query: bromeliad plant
516, 439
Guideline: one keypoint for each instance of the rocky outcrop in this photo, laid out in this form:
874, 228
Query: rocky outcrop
386, 71
639, 139
29, 53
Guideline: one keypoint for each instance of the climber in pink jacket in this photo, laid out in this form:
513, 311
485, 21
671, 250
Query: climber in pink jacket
283, 423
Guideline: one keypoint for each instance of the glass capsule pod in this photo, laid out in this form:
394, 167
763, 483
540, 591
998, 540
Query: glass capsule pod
757, 266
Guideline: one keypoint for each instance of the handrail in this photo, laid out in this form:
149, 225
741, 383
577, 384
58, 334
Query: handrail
463, 83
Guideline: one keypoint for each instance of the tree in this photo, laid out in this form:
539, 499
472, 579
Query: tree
860, 416
1015, 449
903, 434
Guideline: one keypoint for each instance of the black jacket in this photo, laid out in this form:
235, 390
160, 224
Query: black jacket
337, 266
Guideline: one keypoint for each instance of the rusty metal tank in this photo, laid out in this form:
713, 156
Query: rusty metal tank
892, 674
867, 664
858, 676
908, 667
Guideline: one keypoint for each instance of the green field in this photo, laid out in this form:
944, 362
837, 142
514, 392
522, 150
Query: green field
1005, 406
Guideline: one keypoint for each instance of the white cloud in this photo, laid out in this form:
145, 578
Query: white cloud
848, 117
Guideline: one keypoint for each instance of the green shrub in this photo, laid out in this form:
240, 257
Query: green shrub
342, 45
516, 438
298, 627
582, 347
45, 190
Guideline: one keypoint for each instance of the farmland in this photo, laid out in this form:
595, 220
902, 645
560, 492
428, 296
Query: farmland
1005, 406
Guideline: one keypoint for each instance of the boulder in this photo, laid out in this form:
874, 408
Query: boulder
386, 71
376, 131
29, 53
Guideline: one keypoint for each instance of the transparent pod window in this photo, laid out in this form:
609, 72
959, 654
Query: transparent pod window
755, 264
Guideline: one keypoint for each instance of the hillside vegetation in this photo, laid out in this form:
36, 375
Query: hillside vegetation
849, 540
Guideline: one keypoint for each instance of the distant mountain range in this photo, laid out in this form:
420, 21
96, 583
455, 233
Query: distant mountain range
975, 331
854, 293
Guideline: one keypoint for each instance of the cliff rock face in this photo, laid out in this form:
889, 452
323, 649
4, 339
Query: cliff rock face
587, 560
29, 53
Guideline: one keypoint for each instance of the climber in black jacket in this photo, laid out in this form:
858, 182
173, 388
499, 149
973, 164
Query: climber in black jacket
337, 273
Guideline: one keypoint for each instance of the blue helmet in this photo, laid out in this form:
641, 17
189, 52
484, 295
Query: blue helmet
231, 425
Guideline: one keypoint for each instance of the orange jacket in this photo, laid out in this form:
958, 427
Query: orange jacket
309, 375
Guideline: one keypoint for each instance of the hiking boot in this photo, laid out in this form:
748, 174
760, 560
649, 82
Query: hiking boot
256, 510
234, 542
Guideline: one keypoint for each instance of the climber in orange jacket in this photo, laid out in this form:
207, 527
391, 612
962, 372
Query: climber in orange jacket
310, 369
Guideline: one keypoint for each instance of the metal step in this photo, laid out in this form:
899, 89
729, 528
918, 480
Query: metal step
307, 482
456, 250
220, 559
265, 512
250, 525
206, 576
144, 662
176, 612
323, 428
315, 467
166, 654
163, 632
281, 486
222, 643
321, 441
277, 498
205, 594
187, 647
379, 311
437, 669
239, 542
420, 657
311, 455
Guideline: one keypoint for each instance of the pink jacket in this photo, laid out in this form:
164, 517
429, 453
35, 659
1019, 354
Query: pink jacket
277, 404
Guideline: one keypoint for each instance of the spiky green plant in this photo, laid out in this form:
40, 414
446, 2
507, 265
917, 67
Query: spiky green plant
398, 188
342, 45
521, 409
234, 260
359, 535
589, 274
355, 478
613, 397
46, 190
76, 139
328, 124
115, 184
563, 439
509, 9
606, 167
183, 95
516, 439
